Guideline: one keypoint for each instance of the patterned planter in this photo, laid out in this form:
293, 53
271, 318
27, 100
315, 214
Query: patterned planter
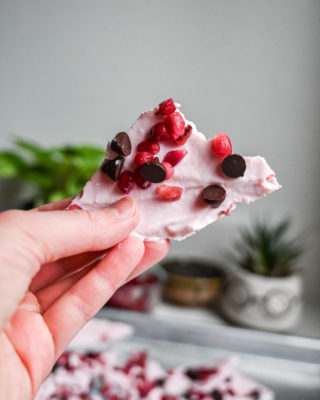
256, 301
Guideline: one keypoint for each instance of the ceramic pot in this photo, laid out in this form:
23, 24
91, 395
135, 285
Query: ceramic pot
191, 282
268, 303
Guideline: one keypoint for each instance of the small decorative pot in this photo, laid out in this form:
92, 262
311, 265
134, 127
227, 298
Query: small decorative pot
268, 303
191, 282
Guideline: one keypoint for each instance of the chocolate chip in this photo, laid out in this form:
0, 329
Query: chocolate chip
121, 144
217, 395
193, 374
255, 394
214, 195
113, 168
233, 166
153, 171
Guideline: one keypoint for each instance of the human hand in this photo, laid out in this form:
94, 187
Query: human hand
51, 283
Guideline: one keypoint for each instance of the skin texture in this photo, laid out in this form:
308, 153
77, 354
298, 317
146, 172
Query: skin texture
53, 280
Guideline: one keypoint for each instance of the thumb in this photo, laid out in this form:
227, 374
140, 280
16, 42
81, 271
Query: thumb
30, 239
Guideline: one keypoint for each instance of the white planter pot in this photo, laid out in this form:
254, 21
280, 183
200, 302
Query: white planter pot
266, 303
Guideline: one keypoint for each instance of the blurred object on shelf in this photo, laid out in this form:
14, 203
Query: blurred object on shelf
53, 173
264, 289
16, 194
140, 294
191, 282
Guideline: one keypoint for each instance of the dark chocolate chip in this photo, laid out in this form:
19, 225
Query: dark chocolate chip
121, 144
160, 382
113, 168
233, 166
217, 395
193, 374
214, 195
255, 394
153, 171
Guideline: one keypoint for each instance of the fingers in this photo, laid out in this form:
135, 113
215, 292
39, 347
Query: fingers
48, 295
154, 252
56, 234
51, 272
74, 308
57, 205
30, 239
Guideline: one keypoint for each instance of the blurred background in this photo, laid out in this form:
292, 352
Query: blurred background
77, 72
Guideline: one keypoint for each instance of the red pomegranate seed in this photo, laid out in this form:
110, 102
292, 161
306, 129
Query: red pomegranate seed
142, 157
184, 137
169, 397
169, 168
160, 132
175, 156
167, 107
175, 125
126, 182
149, 146
221, 145
169, 193
74, 207
145, 387
142, 183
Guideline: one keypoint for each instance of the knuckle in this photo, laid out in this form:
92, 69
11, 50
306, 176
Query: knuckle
82, 306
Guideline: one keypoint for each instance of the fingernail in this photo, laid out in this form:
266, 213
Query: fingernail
124, 208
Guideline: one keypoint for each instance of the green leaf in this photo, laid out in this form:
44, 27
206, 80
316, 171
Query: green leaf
11, 164
266, 250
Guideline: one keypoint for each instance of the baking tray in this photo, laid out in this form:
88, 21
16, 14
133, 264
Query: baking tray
289, 365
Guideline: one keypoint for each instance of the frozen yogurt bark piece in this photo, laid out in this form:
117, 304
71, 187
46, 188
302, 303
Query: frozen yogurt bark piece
106, 375
181, 180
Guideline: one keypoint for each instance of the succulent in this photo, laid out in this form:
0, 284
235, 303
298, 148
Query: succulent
267, 250
56, 172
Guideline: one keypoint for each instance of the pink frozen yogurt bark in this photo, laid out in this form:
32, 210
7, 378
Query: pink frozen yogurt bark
169, 188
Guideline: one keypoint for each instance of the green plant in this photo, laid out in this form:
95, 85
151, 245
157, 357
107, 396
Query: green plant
56, 172
267, 250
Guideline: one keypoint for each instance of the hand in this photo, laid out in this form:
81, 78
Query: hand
52, 282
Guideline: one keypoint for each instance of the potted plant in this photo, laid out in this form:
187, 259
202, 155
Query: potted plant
32, 175
264, 288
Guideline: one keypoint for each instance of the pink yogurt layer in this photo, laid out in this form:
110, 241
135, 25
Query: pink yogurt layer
198, 169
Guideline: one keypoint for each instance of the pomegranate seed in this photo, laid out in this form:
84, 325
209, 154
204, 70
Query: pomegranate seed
184, 137
142, 157
145, 387
74, 207
167, 107
221, 145
137, 359
169, 193
149, 146
126, 182
175, 156
169, 168
140, 181
160, 132
175, 125
169, 397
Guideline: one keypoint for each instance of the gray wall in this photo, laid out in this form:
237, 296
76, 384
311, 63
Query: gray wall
76, 70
